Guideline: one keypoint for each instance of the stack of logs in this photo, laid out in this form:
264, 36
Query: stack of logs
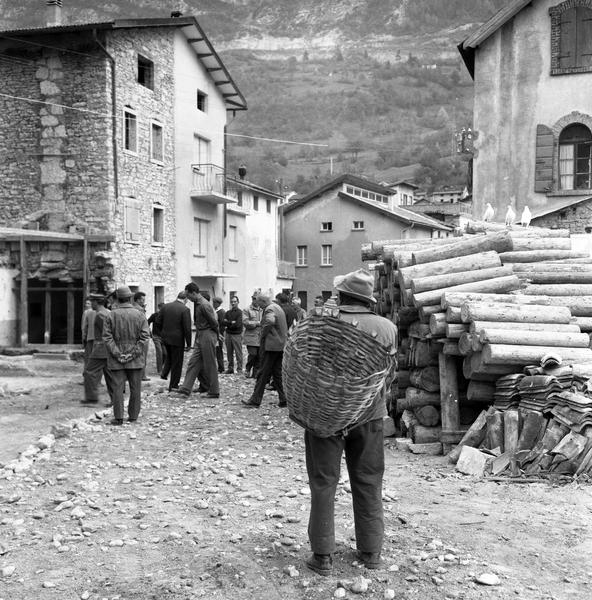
473, 308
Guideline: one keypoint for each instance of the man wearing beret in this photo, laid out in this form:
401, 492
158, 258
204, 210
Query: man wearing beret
125, 333
362, 444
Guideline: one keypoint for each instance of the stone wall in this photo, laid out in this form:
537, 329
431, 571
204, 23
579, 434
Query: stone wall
56, 137
152, 184
577, 218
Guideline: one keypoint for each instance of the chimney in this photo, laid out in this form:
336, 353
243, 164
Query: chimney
54, 13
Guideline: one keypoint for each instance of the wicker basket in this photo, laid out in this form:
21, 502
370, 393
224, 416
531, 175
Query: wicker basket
331, 374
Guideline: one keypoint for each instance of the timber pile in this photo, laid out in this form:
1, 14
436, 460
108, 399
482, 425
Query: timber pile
473, 309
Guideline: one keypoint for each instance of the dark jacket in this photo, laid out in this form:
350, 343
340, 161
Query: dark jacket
220, 313
125, 332
233, 321
290, 314
274, 329
174, 322
156, 328
99, 349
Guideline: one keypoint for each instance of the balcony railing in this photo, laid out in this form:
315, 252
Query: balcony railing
286, 270
208, 183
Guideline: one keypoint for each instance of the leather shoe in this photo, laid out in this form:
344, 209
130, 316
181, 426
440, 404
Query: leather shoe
249, 403
132, 420
210, 395
322, 564
229, 371
116, 422
371, 560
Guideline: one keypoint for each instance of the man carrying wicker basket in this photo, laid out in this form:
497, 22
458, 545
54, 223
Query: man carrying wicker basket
344, 413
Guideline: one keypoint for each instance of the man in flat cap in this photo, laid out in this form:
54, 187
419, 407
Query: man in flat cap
126, 331
362, 444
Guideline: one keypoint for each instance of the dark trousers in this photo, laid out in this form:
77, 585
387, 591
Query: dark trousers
364, 456
88, 346
271, 366
95, 369
145, 354
160, 350
134, 378
220, 356
173, 364
202, 363
252, 360
234, 350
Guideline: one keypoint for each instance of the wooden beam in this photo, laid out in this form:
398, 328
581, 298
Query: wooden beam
449, 396
229, 95
205, 54
222, 82
70, 316
212, 69
47, 320
195, 40
24, 305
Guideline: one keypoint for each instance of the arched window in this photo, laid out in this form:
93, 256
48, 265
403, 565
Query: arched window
575, 158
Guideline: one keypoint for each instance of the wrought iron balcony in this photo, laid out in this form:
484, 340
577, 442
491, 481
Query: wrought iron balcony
208, 184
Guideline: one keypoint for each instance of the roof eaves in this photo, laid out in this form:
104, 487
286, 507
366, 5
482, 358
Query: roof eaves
561, 205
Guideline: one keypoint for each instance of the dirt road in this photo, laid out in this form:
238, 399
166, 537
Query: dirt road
204, 499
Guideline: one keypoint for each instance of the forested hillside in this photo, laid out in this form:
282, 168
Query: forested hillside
377, 84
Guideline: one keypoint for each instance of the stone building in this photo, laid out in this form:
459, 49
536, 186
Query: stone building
111, 167
532, 68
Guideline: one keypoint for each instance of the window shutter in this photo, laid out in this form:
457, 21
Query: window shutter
567, 49
584, 37
543, 172
132, 221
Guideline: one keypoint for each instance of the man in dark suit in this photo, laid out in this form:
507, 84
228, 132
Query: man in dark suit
220, 313
174, 321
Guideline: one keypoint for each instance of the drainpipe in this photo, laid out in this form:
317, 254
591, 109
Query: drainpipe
113, 112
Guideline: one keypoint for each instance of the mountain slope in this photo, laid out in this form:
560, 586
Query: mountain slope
377, 85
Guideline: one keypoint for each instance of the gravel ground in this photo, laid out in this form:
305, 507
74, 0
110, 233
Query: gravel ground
202, 498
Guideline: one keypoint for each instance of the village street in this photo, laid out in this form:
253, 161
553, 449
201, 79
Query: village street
202, 498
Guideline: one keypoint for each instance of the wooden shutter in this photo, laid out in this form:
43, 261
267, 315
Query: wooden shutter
567, 47
543, 172
132, 220
584, 37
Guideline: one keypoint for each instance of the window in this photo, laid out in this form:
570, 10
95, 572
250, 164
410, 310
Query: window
132, 213
255, 202
200, 236
157, 225
202, 101
571, 37
145, 72
358, 225
156, 142
301, 256
130, 130
232, 231
326, 255
327, 226
268, 205
575, 158
239, 197
201, 150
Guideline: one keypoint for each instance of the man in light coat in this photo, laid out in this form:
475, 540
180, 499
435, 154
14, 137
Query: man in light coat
252, 322
125, 333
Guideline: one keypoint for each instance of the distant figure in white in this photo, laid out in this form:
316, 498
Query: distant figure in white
525, 218
510, 216
488, 214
